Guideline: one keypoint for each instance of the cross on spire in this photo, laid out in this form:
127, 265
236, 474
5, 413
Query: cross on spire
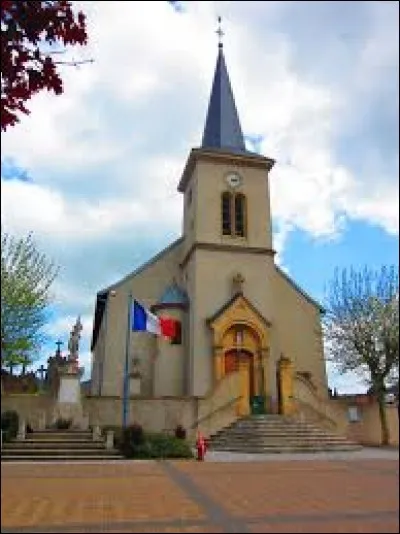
222, 129
220, 33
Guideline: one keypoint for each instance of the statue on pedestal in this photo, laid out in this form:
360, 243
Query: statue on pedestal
73, 346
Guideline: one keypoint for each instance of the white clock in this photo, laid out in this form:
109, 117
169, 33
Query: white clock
233, 179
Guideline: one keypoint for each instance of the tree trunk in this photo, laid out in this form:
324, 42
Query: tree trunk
383, 419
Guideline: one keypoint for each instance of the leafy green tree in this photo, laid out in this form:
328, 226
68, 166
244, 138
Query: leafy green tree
362, 328
26, 278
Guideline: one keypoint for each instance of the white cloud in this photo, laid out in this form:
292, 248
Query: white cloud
106, 156
347, 383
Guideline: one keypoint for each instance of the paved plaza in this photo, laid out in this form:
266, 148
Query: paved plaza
227, 493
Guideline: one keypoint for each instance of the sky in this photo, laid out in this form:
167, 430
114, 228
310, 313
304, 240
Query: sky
316, 87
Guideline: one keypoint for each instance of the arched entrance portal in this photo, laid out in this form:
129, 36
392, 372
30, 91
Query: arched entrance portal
241, 338
242, 352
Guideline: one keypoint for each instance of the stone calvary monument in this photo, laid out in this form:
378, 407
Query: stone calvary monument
64, 380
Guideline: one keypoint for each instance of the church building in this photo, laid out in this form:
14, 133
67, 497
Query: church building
237, 309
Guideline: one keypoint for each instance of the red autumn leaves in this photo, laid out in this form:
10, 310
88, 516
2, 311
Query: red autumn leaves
32, 34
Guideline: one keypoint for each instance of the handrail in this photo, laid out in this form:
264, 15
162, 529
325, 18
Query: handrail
316, 411
220, 408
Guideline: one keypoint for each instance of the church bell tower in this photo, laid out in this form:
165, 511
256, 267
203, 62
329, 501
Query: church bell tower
225, 186
227, 222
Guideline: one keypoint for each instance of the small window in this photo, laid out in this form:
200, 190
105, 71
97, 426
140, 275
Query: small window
240, 214
226, 213
239, 336
353, 414
189, 197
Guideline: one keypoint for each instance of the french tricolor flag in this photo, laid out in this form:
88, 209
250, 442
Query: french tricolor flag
145, 321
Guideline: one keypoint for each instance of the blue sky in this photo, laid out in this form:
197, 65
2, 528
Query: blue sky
316, 86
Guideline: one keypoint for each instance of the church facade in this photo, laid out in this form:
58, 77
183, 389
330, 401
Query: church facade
237, 309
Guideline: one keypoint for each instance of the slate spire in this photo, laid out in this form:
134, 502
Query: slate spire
222, 130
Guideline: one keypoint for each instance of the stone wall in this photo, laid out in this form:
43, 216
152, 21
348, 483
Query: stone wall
157, 414
367, 430
333, 414
154, 414
35, 409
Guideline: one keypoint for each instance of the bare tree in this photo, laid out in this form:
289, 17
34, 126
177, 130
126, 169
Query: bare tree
362, 328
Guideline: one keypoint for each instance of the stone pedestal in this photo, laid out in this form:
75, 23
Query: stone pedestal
70, 389
135, 384
41, 420
69, 405
109, 440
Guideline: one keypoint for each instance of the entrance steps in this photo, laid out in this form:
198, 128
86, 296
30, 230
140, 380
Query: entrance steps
277, 434
58, 445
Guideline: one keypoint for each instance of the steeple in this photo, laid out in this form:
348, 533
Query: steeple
222, 130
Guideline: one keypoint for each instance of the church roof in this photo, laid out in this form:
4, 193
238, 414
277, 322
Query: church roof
222, 130
300, 290
102, 295
173, 294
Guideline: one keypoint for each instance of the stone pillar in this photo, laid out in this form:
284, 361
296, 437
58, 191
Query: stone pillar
21, 430
286, 370
219, 368
264, 361
244, 402
96, 433
257, 374
109, 440
42, 420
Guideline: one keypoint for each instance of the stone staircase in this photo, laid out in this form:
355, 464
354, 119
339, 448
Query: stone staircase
277, 434
58, 446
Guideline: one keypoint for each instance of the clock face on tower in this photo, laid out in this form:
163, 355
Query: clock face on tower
233, 179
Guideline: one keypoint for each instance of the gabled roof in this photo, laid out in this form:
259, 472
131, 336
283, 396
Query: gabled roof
222, 129
230, 302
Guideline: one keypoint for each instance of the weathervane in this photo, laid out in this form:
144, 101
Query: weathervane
219, 32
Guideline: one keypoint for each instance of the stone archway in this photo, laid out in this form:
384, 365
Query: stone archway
241, 349
239, 328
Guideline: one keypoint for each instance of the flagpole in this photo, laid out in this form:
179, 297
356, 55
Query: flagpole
126, 368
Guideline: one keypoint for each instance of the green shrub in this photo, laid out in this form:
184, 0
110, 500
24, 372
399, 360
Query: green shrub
133, 442
164, 446
161, 446
9, 424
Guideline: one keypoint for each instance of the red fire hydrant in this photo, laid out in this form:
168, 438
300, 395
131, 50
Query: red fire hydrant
201, 447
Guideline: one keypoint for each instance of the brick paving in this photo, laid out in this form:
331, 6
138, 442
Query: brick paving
179, 496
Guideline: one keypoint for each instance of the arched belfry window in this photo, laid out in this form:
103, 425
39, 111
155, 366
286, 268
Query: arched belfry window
233, 212
226, 209
240, 214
